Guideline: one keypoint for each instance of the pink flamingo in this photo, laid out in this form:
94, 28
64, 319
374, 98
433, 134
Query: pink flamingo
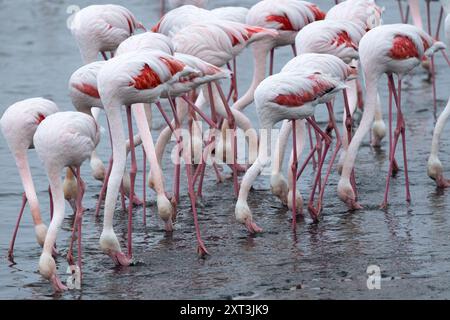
139, 77
101, 29
292, 96
307, 63
85, 98
63, 139
367, 15
285, 16
217, 43
435, 169
204, 73
389, 49
18, 125
179, 3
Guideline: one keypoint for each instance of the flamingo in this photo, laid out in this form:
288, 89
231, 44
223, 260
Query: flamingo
288, 95
63, 139
414, 8
18, 125
390, 49
285, 16
132, 78
435, 169
367, 14
101, 28
204, 73
217, 43
85, 98
207, 73
307, 63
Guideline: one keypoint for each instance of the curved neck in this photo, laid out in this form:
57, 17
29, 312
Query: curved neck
260, 52
28, 185
58, 205
438, 129
364, 126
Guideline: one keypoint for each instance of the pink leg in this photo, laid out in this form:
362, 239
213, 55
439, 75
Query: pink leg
234, 140
176, 187
103, 189
333, 158
144, 186
403, 133
311, 146
133, 172
316, 185
50, 197
236, 94
77, 222
294, 174
13, 240
201, 247
272, 57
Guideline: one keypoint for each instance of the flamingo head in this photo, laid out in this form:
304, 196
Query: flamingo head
244, 216
347, 195
378, 132
165, 211
110, 245
435, 172
47, 268
298, 201
98, 169
41, 232
279, 187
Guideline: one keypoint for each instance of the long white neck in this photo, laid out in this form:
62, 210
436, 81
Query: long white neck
119, 155
28, 185
260, 51
364, 126
438, 130
54, 176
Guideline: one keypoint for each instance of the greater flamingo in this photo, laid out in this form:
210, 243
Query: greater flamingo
292, 96
390, 49
285, 16
133, 78
217, 43
308, 63
18, 125
435, 169
63, 139
101, 29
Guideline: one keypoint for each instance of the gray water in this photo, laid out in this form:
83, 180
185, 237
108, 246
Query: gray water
326, 260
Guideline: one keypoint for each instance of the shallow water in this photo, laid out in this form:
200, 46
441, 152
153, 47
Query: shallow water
325, 260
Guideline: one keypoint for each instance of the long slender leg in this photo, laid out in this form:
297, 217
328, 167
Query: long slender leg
232, 123
133, 171
201, 246
144, 187
13, 240
103, 189
272, 57
165, 209
294, 174
327, 141
79, 216
401, 119
236, 94
333, 157
50, 197
176, 188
